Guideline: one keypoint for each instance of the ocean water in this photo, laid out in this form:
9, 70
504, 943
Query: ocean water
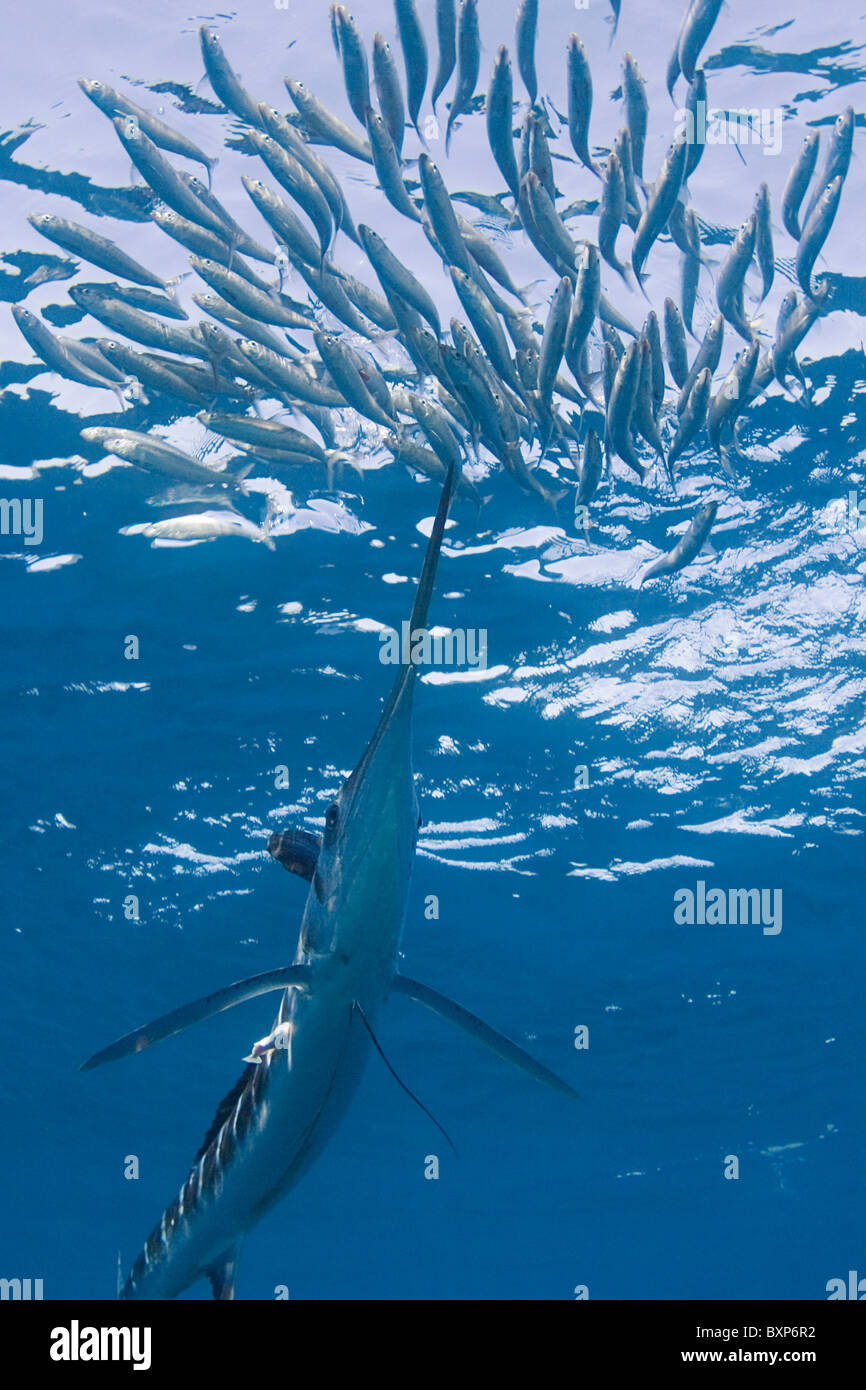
718, 716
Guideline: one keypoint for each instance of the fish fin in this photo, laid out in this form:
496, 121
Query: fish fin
523, 291
222, 1274
482, 1032
240, 476
649, 573
335, 456
297, 851
267, 523
725, 460
400, 1083
223, 1110
283, 978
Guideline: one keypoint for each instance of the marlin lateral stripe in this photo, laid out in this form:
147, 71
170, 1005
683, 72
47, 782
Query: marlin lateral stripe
298, 1080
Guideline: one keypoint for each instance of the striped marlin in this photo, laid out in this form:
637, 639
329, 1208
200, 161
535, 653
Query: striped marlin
298, 1080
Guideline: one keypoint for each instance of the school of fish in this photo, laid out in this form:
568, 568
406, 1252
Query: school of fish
550, 392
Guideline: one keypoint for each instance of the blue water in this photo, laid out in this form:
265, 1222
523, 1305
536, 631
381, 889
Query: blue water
720, 716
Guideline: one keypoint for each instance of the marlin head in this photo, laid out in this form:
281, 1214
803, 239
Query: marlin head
355, 908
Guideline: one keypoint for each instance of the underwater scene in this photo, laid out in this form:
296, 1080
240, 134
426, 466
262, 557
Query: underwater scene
432, 539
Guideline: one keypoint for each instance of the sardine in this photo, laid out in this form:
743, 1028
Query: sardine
234, 318
699, 21
298, 183
394, 274
153, 454
468, 63
204, 243
414, 47
113, 103
387, 165
816, 231
675, 343
290, 378
580, 102
652, 333
205, 526
321, 124
251, 429
56, 357
731, 278
343, 366
269, 308
838, 158
92, 247
687, 548
692, 416
636, 110
499, 113
732, 396
553, 341
161, 176
660, 204
591, 468
644, 417
620, 409
764, 240
446, 33
708, 356
223, 79
696, 127
526, 24
285, 135
797, 183
353, 55
389, 91
612, 214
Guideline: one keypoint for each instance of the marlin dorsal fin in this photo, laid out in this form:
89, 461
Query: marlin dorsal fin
140, 1038
481, 1032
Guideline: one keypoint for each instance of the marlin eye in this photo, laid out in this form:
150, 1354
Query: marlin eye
333, 816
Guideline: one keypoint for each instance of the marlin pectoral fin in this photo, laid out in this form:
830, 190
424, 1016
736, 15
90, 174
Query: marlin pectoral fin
222, 1274
296, 850
481, 1032
241, 990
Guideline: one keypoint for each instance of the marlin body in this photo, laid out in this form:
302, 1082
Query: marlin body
299, 1079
